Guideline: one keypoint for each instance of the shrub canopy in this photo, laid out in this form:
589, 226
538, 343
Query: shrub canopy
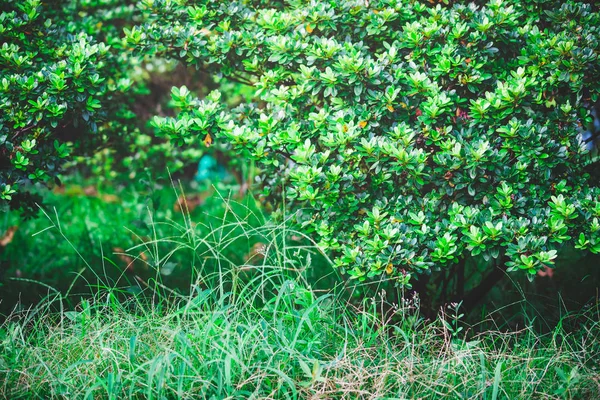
63, 75
406, 135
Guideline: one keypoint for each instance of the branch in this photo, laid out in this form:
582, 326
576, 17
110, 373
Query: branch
22, 131
477, 294
238, 79
460, 277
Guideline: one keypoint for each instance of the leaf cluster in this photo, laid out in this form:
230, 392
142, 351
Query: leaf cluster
405, 135
64, 71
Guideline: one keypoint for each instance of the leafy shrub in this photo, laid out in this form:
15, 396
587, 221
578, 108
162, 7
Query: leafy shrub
64, 74
406, 136
141, 152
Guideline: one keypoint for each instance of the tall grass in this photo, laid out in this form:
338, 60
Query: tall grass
257, 329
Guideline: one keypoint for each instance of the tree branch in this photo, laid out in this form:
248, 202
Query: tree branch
477, 294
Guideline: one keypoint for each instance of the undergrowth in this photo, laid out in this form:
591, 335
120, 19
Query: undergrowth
260, 329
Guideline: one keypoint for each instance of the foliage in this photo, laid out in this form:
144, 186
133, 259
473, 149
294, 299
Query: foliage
142, 150
64, 74
406, 136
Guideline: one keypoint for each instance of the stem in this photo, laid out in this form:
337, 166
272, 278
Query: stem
238, 79
20, 131
478, 293
460, 277
420, 287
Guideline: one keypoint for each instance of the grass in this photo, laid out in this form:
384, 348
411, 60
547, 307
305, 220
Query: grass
102, 224
258, 328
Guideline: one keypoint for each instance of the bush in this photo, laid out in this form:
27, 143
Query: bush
64, 76
406, 136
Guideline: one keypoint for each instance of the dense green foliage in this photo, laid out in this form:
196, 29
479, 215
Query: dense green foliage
64, 72
417, 142
406, 136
